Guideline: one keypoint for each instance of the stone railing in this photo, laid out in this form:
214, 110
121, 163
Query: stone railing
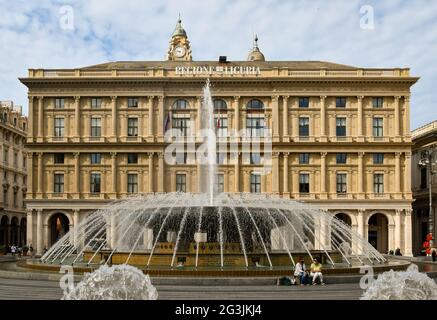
424, 129
163, 72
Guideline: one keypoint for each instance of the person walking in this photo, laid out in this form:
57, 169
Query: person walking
32, 252
434, 254
316, 272
13, 250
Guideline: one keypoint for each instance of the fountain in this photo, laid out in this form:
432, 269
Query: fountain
119, 282
211, 233
402, 285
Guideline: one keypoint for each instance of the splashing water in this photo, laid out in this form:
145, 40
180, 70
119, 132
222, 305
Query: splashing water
402, 285
119, 282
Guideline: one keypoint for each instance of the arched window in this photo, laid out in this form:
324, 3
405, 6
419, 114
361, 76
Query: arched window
220, 104
181, 104
24, 126
255, 104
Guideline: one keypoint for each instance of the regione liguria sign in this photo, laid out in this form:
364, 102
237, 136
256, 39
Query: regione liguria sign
211, 70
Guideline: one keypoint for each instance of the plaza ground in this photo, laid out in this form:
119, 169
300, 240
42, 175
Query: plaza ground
18, 283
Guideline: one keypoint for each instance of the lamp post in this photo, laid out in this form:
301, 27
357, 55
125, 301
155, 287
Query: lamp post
429, 162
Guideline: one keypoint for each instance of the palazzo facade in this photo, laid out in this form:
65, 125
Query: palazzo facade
340, 137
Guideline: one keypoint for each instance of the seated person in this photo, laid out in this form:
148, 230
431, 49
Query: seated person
300, 272
316, 272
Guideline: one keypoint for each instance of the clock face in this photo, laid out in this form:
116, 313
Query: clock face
179, 51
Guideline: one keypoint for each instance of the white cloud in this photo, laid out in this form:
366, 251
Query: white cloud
405, 35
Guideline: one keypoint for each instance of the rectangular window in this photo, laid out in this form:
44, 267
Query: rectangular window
181, 182
6, 156
221, 156
378, 158
378, 102
132, 127
378, 127
16, 159
95, 182
304, 127
341, 127
132, 158
59, 103
59, 158
304, 183
96, 103
181, 124
132, 102
378, 183
304, 102
24, 162
340, 102
423, 178
220, 183
255, 183
96, 127
59, 183
255, 126
341, 158
222, 126
304, 158
96, 158
59, 127
255, 158
132, 183
341, 183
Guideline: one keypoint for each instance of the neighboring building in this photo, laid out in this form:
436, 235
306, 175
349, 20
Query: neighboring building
341, 137
13, 127
423, 138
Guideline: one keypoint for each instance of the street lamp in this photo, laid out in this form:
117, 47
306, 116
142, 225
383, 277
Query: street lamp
429, 162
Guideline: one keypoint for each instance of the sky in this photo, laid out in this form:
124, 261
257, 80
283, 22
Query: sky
71, 34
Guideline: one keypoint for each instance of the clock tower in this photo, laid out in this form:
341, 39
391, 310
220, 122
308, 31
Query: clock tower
179, 45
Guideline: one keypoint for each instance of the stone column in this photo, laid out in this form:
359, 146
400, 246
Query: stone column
160, 118
408, 250
76, 183
398, 173
114, 119
398, 229
77, 132
39, 228
246, 180
295, 182
360, 186
123, 182
295, 126
123, 126
286, 190
40, 175
407, 116
407, 175
140, 181
397, 132
275, 113
323, 174
114, 175
150, 125
237, 113
29, 231
75, 226
30, 190
30, 133
275, 173
322, 117
161, 172
40, 119
360, 227
151, 169
237, 172
285, 136
360, 118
